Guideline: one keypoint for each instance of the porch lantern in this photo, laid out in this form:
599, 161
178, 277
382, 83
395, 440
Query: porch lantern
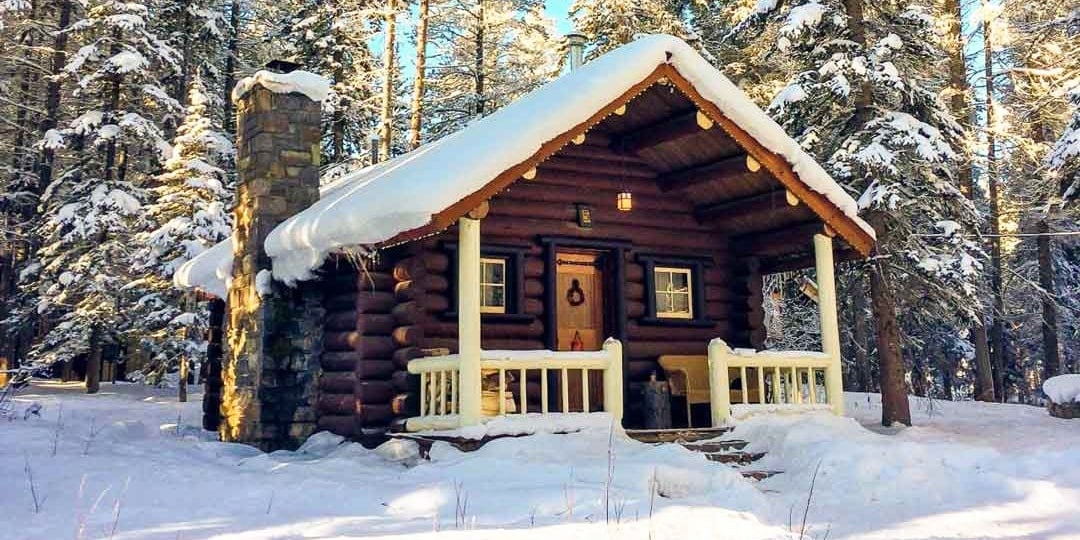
624, 201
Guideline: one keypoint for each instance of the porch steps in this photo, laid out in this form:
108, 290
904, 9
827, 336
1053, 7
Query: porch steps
705, 441
686, 435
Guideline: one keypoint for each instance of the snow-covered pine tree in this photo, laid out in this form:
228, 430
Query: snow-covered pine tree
610, 23
863, 100
331, 39
486, 53
189, 212
93, 207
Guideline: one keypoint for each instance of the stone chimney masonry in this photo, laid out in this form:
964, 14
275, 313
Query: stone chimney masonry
273, 332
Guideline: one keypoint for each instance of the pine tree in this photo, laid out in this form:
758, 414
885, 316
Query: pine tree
487, 54
93, 207
189, 213
863, 101
611, 23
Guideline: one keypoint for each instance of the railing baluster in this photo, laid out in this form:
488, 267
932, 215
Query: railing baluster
443, 385
760, 384
798, 385
454, 374
543, 390
776, 397
565, 391
524, 389
423, 391
502, 392
584, 390
433, 395
743, 386
813, 386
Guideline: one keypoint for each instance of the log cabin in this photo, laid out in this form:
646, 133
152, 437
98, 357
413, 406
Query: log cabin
600, 237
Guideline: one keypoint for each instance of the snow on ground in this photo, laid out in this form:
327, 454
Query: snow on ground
966, 470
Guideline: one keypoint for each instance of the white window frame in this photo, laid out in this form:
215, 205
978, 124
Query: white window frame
505, 267
689, 273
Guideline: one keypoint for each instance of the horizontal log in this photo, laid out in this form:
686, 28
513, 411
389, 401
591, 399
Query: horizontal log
337, 382
365, 346
639, 370
374, 369
638, 332
533, 306
409, 269
534, 267
373, 392
731, 211
405, 404
402, 356
634, 291
487, 343
669, 129
790, 239
580, 165
587, 189
408, 336
338, 424
534, 288
644, 350
635, 272
374, 281
713, 172
603, 214
654, 238
602, 153
403, 381
366, 302
375, 324
374, 415
340, 320
449, 329
635, 308
338, 360
435, 303
435, 261
336, 403
409, 313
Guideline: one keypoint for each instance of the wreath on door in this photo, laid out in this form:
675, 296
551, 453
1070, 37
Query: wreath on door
575, 296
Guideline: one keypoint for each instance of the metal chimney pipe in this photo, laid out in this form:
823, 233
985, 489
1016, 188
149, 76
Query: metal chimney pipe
577, 49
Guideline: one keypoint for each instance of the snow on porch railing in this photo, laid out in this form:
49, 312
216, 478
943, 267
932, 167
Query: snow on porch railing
771, 381
440, 380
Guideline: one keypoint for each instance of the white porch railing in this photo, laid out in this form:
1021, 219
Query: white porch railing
785, 369
770, 381
441, 394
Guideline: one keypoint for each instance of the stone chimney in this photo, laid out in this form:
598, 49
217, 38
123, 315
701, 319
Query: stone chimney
273, 335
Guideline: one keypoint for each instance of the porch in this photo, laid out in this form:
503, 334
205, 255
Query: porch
475, 385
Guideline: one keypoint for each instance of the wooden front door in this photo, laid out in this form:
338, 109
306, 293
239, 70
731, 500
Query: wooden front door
580, 305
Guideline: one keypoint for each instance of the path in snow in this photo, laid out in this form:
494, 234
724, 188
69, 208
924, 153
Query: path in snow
966, 471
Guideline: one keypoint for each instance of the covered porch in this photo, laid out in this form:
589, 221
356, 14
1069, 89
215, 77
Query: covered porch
475, 385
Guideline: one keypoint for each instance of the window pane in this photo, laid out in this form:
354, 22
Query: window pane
663, 280
492, 296
680, 281
663, 302
680, 303
492, 272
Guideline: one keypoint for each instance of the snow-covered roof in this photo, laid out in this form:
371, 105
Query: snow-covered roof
390, 200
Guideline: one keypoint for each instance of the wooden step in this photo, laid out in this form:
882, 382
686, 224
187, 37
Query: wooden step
710, 447
735, 458
676, 435
759, 475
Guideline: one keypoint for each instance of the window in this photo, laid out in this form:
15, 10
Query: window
674, 297
492, 285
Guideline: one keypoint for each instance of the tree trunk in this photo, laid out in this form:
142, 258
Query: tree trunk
960, 108
52, 93
894, 396
418, 81
386, 129
1052, 359
111, 106
478, 89
181, 394
997, 329
230, 68
859, 334
93, 362
337, 125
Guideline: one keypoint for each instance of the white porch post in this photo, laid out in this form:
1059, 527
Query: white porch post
468, 292
830, 328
